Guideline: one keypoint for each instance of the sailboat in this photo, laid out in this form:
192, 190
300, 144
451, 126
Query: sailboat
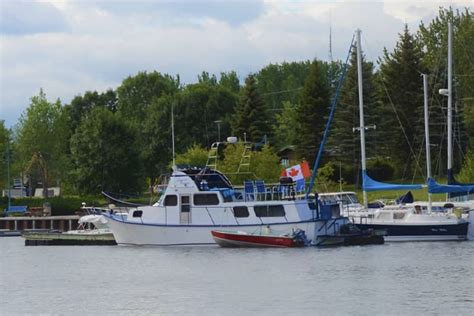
401, 222
457, 193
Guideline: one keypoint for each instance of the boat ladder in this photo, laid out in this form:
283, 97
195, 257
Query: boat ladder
212, 156
245, 159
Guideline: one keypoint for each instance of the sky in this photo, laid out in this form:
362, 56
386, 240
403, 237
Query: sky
69, 47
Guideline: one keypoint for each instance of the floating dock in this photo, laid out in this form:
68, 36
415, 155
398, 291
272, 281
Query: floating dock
52, 238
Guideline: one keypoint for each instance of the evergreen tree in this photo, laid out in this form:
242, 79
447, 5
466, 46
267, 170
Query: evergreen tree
285, 126
251, 114
403, 87
434, 37
312, 112
344, 143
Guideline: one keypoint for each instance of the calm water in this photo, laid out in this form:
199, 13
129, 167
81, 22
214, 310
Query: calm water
405, 278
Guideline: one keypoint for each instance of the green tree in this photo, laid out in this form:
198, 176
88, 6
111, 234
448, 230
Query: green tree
264, 164
312, 112
467, 171
41, 140
282, 82
403, 86
196, 155
4, 139
344, 142
103, 154
136, 94
230, 80
433, 37
251, 113
285, 126
207, 78
82, 104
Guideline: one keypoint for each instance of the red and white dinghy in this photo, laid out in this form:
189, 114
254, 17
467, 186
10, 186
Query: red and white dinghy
244, 239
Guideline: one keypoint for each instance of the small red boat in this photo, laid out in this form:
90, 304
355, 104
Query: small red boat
243, 239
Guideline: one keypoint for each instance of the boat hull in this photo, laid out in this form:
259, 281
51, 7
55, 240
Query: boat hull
128, 233
427, 232
232, 239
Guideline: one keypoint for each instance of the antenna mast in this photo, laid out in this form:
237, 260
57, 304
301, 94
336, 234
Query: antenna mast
330, 38
172, 132
361, 113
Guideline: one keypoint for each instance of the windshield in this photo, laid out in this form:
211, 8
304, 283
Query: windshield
349, 199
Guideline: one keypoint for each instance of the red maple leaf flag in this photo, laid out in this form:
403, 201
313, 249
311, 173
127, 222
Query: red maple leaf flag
296, 172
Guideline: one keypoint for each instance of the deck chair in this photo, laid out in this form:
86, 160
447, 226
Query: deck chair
300, 186
249, 190
261, 190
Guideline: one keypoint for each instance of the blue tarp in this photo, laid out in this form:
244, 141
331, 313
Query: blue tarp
434, 187
368, 184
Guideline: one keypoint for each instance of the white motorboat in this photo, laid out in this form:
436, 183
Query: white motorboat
196, 202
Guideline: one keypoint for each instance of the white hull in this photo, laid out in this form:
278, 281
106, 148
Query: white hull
127, 233
424, 238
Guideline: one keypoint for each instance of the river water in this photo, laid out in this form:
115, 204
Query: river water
396, 278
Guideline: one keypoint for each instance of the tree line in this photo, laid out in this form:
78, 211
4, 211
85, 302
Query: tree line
120, 139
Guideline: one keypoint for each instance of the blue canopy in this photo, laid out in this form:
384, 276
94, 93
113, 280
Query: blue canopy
434, 187
368, 184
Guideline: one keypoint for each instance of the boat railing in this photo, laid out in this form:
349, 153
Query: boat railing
268, 192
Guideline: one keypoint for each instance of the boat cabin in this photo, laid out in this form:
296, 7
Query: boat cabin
206, 197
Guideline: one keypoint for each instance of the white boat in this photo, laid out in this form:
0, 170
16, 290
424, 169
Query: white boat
196, 202
409, 222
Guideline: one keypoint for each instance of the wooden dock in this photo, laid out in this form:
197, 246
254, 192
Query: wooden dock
22, 223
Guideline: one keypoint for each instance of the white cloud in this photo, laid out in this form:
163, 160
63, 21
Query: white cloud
100, 46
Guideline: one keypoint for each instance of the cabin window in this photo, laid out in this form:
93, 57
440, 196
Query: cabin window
398, 215
269, 211
137, 213
171, 200
206, 199
185, 207
241, 211
384, 216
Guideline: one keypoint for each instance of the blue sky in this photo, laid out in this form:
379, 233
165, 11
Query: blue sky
69, 47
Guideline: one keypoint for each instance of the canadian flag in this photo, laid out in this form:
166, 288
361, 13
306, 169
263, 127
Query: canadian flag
297, 172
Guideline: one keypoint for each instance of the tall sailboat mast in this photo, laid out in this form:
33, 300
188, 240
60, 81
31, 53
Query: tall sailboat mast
172, 133
450, 99
427, 136
361, 113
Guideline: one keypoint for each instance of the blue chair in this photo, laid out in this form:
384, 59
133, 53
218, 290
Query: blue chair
300, 185
261, 189
249, 191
